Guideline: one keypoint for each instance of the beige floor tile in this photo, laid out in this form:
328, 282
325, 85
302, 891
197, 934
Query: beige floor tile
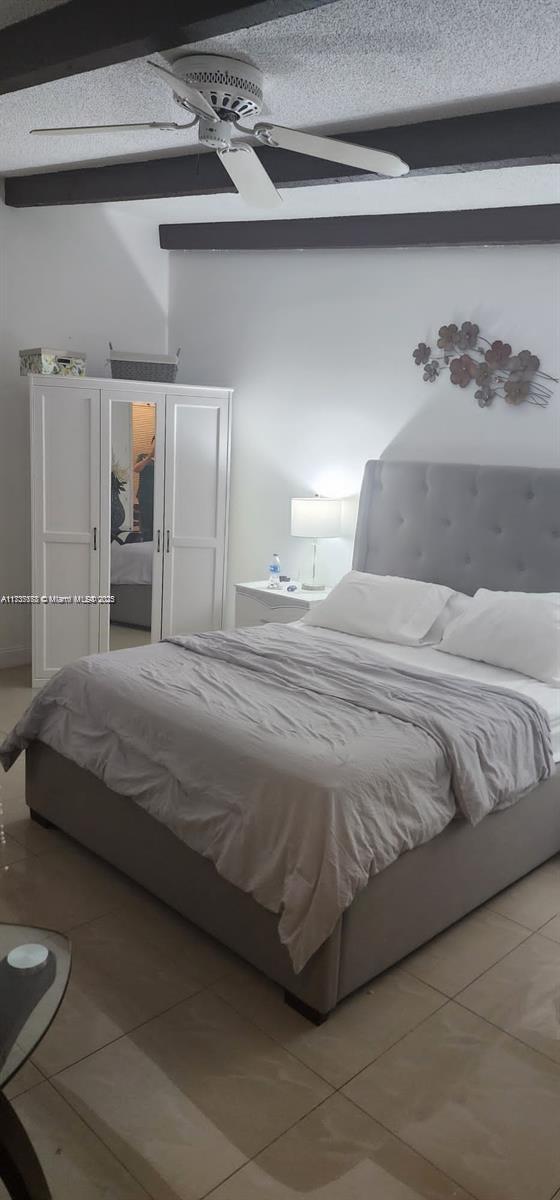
11, 813
59, 890
338, 1153
27, 1077
16, 695
12, 782
477, 1103
162, 925
78, 1166
552, 929
123, 636
34, 837
453, 959
186, 1099
521, 994
535, 899
10, 850
126, 967
359, 1031
13, 704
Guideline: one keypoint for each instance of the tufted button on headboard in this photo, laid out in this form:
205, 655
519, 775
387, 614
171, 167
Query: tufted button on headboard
461, 525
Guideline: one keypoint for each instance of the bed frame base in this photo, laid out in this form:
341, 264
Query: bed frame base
305, 1010
132, 605
299, 1006
41, 820
423, 892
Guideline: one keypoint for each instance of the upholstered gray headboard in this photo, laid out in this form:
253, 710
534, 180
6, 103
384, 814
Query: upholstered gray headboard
461, 525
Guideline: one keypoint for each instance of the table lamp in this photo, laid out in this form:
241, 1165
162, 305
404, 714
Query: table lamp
315, 517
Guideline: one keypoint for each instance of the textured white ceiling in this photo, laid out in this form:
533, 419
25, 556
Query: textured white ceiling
12, 11
350, 64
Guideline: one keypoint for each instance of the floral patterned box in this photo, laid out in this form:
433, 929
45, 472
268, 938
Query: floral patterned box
41, 361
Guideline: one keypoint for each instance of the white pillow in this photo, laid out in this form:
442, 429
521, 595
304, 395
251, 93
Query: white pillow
383, 607
456, 605
516, 630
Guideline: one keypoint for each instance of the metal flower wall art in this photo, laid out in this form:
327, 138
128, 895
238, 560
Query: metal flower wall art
492, 366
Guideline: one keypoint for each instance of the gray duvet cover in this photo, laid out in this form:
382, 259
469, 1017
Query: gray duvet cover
297, 765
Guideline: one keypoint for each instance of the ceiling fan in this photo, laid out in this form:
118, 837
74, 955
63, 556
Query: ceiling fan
220, 92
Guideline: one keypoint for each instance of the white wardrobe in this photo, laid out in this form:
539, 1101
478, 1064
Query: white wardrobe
75, 427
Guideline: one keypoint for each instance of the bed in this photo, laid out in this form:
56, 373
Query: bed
459, 525
131, 584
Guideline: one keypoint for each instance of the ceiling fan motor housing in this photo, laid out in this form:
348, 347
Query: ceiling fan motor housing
215, 134
233, 88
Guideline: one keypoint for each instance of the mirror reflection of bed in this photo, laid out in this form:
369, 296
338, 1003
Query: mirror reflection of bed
132, 503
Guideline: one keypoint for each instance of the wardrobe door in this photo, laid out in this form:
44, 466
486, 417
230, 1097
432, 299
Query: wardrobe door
195, 518
65, 447
132, 462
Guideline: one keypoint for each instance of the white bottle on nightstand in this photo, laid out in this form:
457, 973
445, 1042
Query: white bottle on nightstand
274, 572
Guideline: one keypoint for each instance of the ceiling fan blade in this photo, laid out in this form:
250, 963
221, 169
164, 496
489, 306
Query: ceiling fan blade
194, 99
378, 162
249, 176
63, 129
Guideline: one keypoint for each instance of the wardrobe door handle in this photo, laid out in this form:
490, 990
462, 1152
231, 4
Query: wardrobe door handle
167, 541
158, 540
95, 537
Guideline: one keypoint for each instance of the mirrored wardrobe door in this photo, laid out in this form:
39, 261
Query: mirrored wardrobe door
133, 524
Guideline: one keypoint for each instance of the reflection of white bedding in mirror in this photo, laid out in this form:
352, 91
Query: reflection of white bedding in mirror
131, 563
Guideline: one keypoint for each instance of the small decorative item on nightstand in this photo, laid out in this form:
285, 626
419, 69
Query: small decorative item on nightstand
256, 604
315, 517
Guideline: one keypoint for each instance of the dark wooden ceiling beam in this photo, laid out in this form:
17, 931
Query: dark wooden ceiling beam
467, 227
83, 35
507, 137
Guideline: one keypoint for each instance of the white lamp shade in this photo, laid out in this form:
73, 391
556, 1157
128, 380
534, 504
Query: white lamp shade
316, 517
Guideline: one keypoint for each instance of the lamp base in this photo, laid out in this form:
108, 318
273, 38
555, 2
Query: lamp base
313, 587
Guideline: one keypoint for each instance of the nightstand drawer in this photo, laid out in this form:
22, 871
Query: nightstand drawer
257, 604
252, 610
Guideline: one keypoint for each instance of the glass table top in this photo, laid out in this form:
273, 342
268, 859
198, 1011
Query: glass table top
34, 971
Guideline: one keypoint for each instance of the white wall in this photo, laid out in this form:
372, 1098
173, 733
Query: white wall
317, 345
318, 348
72, 277
13, 473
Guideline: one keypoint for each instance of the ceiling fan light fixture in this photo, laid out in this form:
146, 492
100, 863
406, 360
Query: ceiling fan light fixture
215, 134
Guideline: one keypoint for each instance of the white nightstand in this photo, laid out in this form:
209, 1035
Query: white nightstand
257, 604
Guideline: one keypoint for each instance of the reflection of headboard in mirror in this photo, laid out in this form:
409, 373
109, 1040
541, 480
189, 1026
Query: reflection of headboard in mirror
461, 525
